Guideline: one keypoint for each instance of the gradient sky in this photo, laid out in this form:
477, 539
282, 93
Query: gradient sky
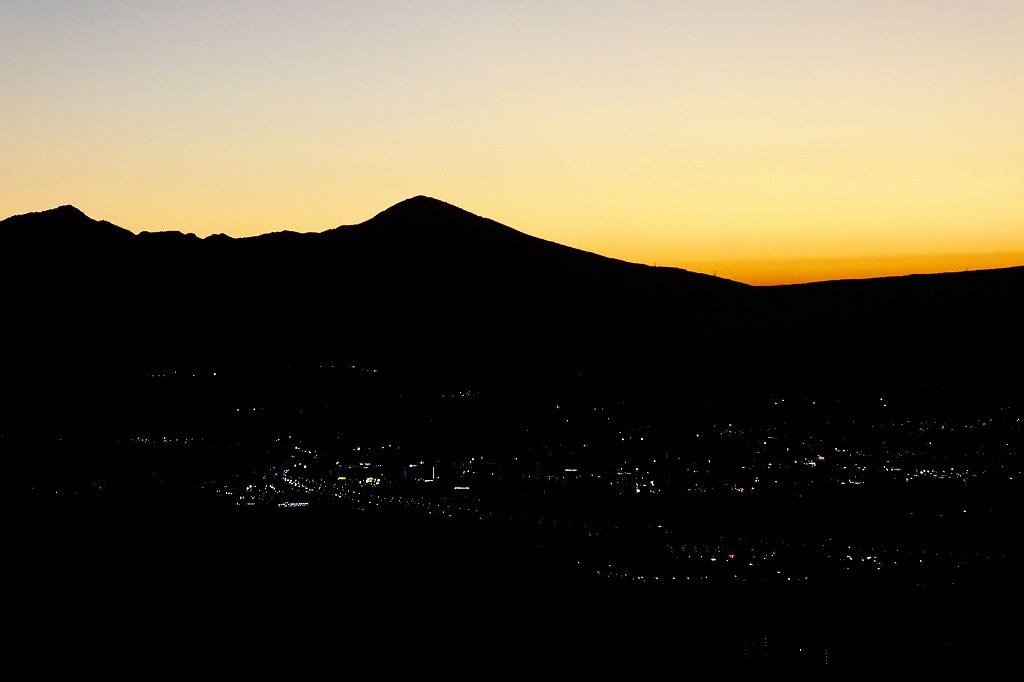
764, 141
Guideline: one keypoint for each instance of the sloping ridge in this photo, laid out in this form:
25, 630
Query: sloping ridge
423, 234
422, 220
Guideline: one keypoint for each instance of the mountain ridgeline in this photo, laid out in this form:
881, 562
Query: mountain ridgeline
432, 293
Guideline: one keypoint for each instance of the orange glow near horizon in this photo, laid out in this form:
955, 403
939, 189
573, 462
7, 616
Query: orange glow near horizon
799, 271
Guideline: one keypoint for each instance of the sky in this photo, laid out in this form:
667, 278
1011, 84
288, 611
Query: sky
763, 141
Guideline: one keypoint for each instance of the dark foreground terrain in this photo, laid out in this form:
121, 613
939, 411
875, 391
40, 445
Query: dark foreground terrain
242, 590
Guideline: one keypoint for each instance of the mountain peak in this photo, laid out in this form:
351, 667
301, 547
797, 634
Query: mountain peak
422, 220
67, 210
424, 200
63, 214
63, 222
422, 207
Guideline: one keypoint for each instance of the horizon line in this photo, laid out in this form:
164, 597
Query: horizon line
775, 271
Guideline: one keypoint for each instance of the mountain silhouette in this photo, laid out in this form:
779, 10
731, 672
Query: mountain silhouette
422, 278
434, 293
